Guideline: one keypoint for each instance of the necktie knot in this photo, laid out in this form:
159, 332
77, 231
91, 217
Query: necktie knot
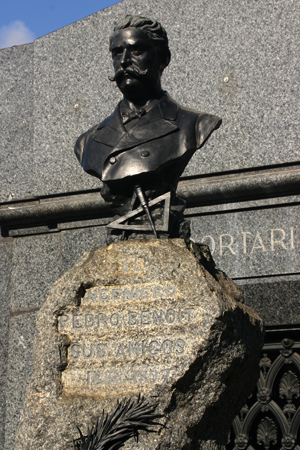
131, 115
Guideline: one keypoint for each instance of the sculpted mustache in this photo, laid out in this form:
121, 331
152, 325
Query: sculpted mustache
132, 70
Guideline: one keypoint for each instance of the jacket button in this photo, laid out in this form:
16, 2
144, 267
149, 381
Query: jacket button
112, 160
145, 153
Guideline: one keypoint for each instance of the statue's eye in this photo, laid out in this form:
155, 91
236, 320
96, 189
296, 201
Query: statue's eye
116, 52
137, 50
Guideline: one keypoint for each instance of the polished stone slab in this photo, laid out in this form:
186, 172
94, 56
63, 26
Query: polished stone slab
252, 243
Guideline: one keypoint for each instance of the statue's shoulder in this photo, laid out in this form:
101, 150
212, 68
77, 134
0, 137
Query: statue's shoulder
203, 123
82, 140
199, 116
206, 124
89, 134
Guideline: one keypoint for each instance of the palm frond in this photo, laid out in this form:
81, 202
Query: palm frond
113, 430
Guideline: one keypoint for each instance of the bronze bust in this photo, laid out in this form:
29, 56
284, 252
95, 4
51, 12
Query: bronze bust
140, 151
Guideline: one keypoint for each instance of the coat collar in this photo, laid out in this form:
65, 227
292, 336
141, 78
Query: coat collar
159, 121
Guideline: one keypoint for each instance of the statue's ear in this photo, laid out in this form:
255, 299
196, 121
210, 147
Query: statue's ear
162, 67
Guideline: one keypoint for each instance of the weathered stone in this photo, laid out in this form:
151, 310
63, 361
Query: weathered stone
146, 317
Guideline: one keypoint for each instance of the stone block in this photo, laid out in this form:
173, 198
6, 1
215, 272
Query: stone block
275, 299
19, 369
5, 268
17, 103
141, 317
252, 243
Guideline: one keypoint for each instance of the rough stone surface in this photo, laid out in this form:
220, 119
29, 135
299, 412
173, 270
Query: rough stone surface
141, 317
237, 59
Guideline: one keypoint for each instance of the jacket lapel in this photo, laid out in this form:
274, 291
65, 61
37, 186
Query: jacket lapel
111, 130
156, 123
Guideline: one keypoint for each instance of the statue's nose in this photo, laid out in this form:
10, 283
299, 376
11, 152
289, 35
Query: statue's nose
125, 60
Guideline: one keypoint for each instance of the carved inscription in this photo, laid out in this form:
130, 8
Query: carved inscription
129, 293
137, 376
135, 319
102, 350
123, 337
250, 243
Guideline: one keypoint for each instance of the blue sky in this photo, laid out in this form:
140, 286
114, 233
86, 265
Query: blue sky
22, 21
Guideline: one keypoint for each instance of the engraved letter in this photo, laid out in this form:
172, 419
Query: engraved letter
116, 294
120, 351
244, 233
143, 376
89, 320
102, 319
170, 316
179, 346
179, 316
212, 245
62, 320
189, 313
127, 294
277, 241
292, 238
132, 318
170, 291
157, 317
96, 379
88, 378
91, 295
144, 317
124, 267
104, 294
157, 292
114, 320
76, 323
229, 245
144, 293
100, 350
152, 348
167, 373
133, 348
261, 244
117, 378
89, 354
167, 347
153, 373
75, 350
136, 265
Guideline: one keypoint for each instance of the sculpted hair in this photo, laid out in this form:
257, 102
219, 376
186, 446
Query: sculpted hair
155, 31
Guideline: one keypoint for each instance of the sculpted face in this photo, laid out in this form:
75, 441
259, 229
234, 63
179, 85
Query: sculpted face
135, 61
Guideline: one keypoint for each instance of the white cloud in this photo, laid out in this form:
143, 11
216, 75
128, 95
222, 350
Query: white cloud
16, 33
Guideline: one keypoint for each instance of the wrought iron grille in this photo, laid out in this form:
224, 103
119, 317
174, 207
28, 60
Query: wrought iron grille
270, 420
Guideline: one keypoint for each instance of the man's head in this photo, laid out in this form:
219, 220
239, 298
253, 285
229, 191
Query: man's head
140, 53
155, 31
